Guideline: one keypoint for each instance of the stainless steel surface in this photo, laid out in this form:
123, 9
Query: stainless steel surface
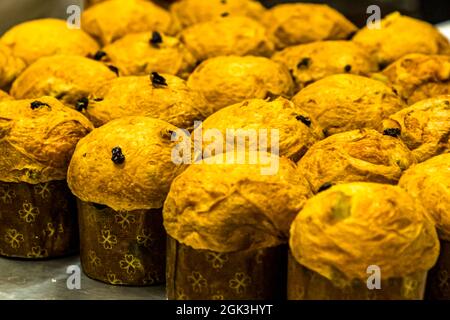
23, 279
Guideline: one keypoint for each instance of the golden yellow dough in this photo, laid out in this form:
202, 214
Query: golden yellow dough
358, 155
110, 20
400, 35
10, 66
296, 23
141, 181
4, 96
34, 39
297, 133
343, 230
230, 207
67, 78
417, 76
228, 80
135, 55
345, 102
429, 182
37, 140
136, 96
313, 61
227, 36
190, 12
424, 127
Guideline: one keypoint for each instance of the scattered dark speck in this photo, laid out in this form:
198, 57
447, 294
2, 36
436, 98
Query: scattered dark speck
348, 68
117, 156
157, 80
304, 63
225, 14
393, 132
325, 186
37, 104
82, 104
99, 55
156, 39
114, 69
305, 120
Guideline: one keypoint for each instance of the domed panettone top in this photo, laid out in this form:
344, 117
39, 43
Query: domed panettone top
229, 207
173, 101
34, 39
344, 230
357, 155
37, 139
125, 164
429, 182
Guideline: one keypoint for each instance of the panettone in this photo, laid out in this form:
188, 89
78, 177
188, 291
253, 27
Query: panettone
298, 23
139, 96
417, 76
399, 35
342, 231
37, 139
190, 12
358, 155
296, 131
227, 36
4, 96
228, 80
313, 61
34, 39
345, 102
142, 53
113, 19
10, 66
67, 78
424, 127
125, 164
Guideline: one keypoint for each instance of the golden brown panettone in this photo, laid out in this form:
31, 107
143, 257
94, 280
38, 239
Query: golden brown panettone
424, 127
399, 35
4, 96
190, 12
296, 132
37, 139
67, 78
138, 96
228, 80
344, 230
10, 66
313, 61
34, 39
228, 207
227, 36
125, 164
297, 23
358, 155
429, 182
418, 76
142, 53
345, 102
112, 19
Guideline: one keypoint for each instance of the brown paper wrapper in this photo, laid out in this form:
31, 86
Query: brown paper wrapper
305, 284
207, 275
122, 248
37, 221
438, 281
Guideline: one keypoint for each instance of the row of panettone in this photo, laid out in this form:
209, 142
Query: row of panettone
353, 130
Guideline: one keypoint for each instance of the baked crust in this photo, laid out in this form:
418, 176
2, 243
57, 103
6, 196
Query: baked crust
110, 20
136, 96
429, 182
35, 39
344, 230
424, 127
359, 155
143, 177
314, 61
37, 144
295, 136
297, 23
227, 36
68, 78
228, 80
231, 207
190, 12
10, 66
346, 102
4, 96
417, 76
135, 55
400, 35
